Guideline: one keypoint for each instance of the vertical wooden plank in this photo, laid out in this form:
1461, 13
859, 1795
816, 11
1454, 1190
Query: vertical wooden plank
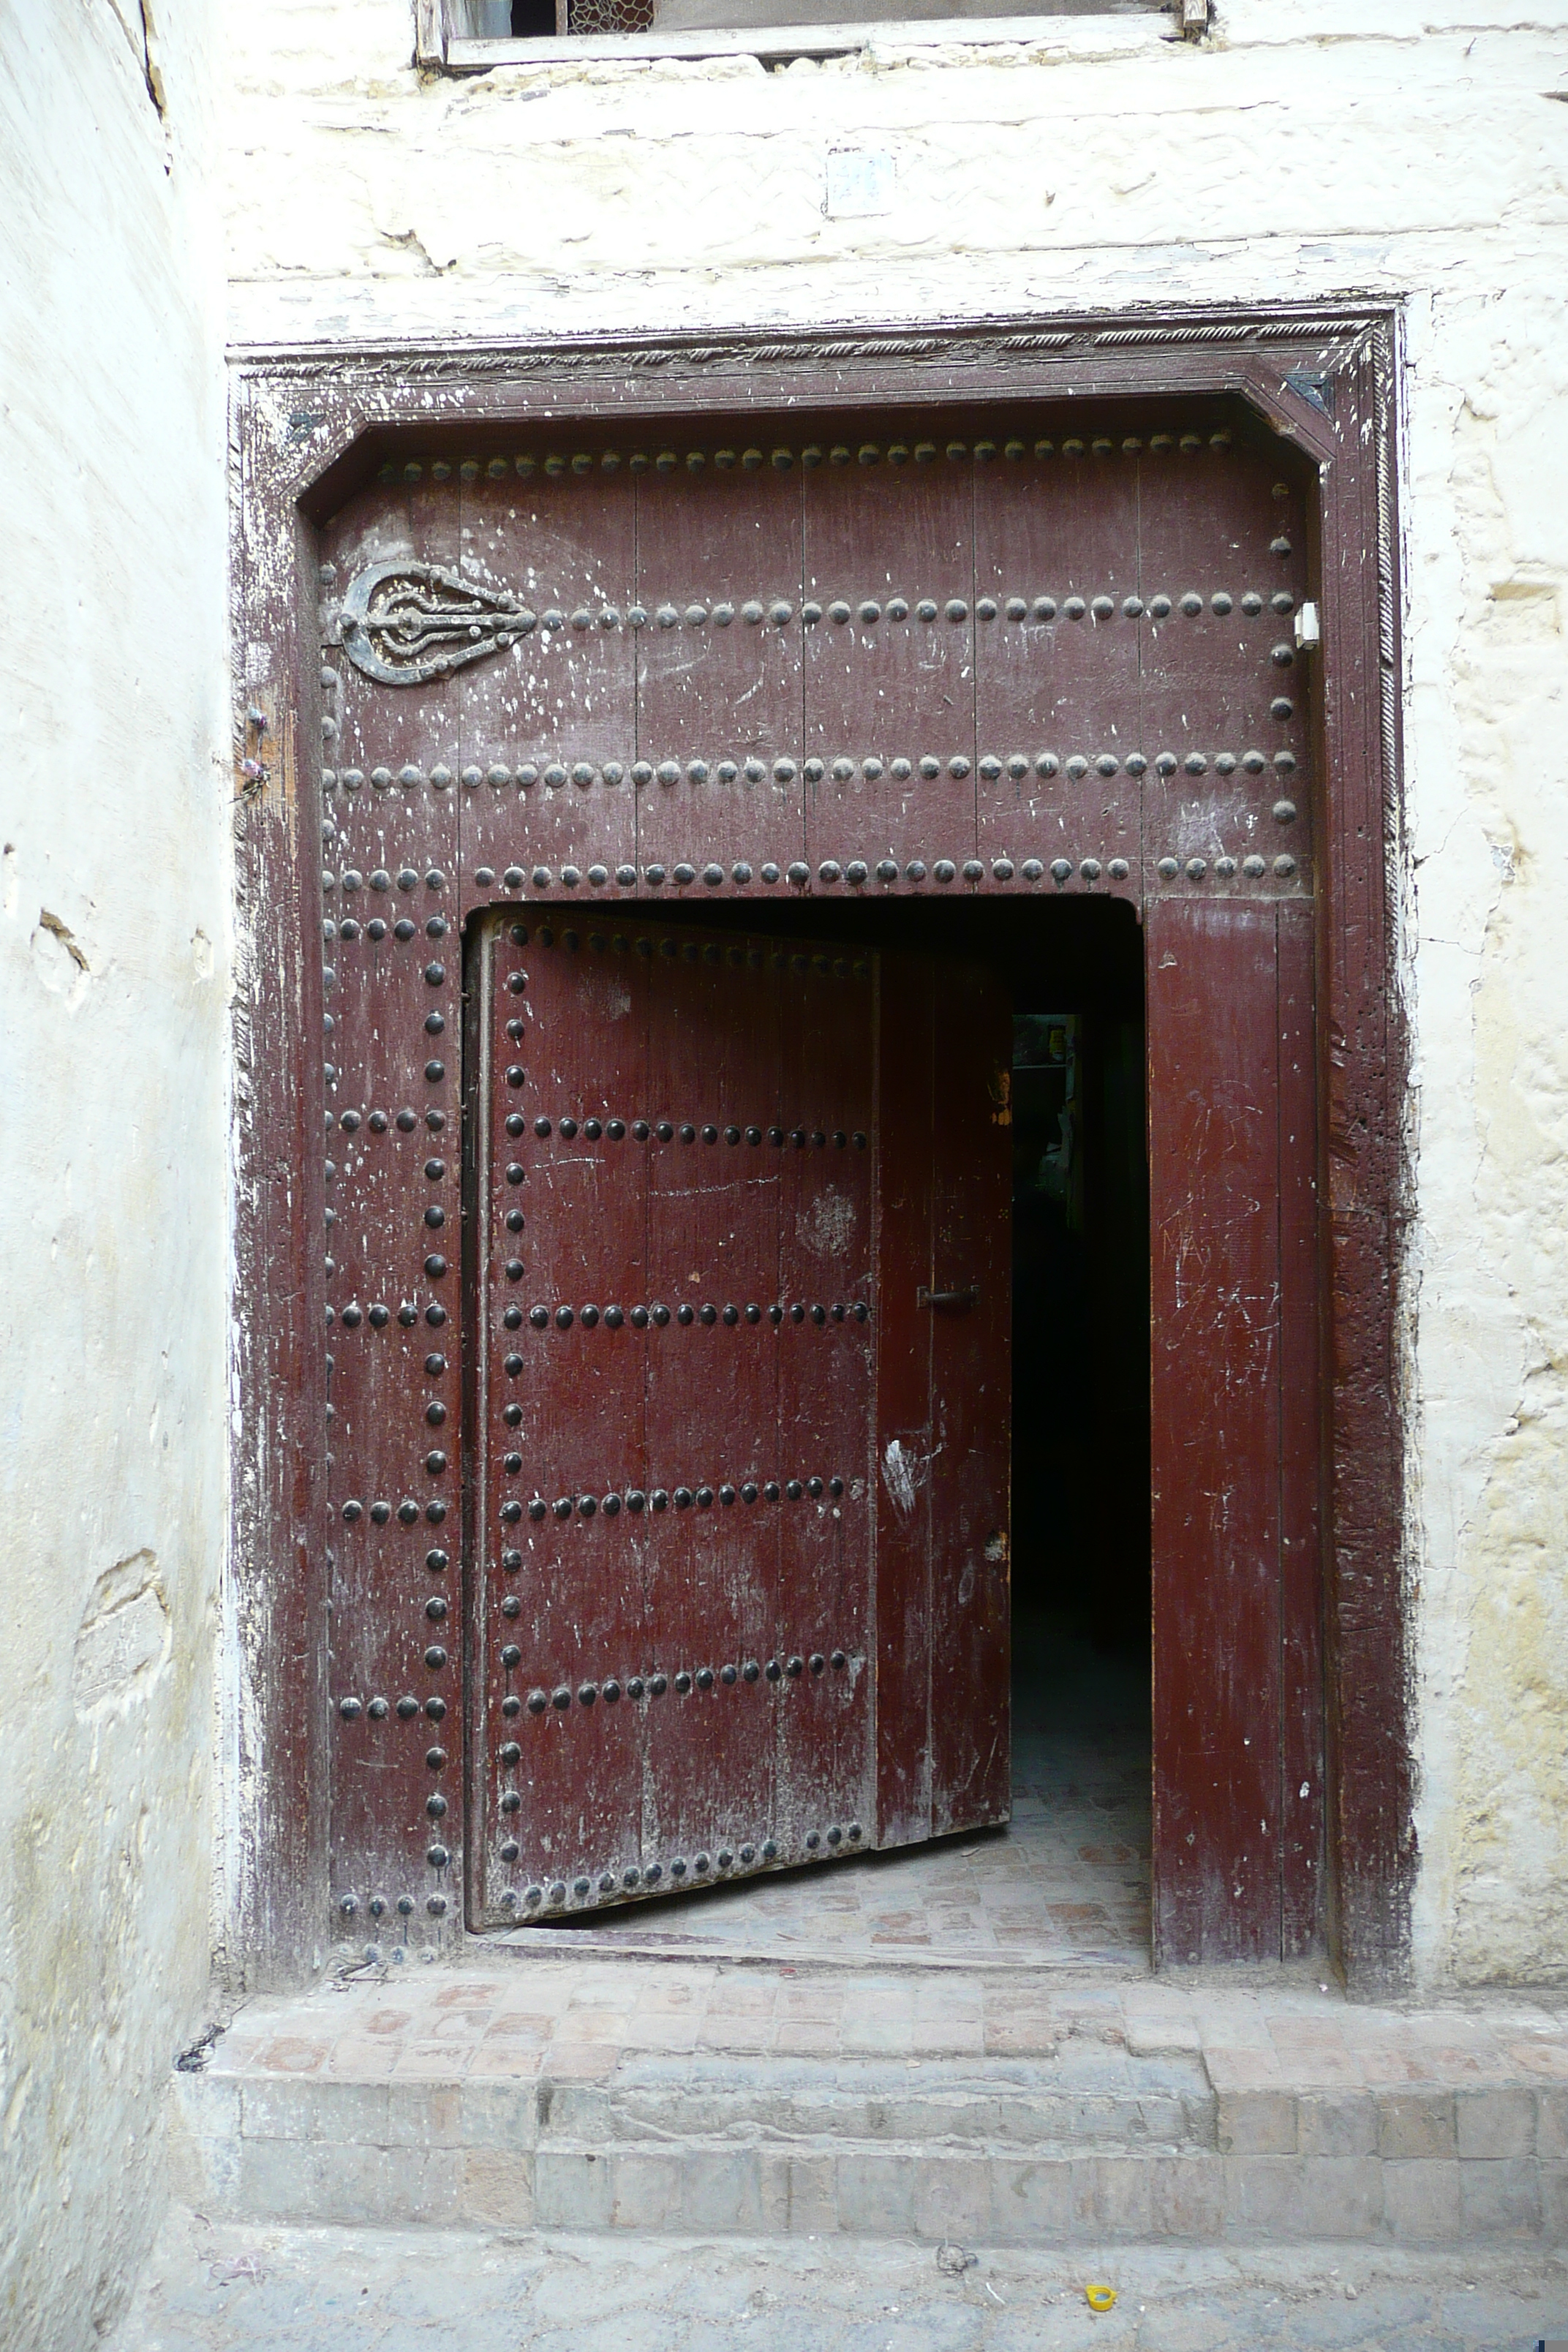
393, 1196
1058, 664
826, 1346
1223, 718
717, 666
548, 727
278, 1598
1302, 1800
890, 657
713, 1206
971, 1393
905, 1110
1213, 1160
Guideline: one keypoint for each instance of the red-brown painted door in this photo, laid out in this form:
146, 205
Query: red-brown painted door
1239, 1792
882, 661
739, 1512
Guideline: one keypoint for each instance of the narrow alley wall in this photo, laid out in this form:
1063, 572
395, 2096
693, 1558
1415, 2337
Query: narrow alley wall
1412, 151
114, 1036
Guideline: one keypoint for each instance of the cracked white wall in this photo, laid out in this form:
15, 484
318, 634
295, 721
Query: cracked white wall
113, 1037
1320, 147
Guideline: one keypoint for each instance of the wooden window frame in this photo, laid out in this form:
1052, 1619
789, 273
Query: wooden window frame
441, 46
308, 426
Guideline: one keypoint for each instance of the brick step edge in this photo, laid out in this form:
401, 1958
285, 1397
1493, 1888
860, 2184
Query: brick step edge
995, 2196
527, 2114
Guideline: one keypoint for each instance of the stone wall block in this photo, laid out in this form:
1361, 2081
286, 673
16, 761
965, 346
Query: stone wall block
498, 2115
1255, 2123
648, 2190
1303, 2196
1415, 2124
572, 2190
1500, 2197
796, 2192
1336, 2123
412, 2115
876, 2192
497, 2188
1554, 2180
1495, 2123
1552, 2126
302, 2183
1112, 2194
1186, 2196
580, 2114
1421, 2200
719, 2191
204, 2141
953, 2197
1033, 2198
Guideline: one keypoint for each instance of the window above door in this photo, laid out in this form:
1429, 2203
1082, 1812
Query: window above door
473, 36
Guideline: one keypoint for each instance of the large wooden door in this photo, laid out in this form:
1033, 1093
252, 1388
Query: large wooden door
594, 684
740, 1507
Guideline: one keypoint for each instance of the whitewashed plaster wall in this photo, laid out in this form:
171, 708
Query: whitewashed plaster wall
114, 1036
1417, 149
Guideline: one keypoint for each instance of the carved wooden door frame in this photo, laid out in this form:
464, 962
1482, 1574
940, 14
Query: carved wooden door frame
308, 426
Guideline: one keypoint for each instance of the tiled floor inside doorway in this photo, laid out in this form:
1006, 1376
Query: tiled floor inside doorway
1064, 1885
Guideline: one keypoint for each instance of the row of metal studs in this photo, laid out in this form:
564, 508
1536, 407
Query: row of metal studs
841, 770
654, 1685
709, 951
516, 619
814, 769
1033, 869
659, 1498
349, 1903
665, 1131
665, 462
639, 1318
609, 1882
378, 1709
436, 1461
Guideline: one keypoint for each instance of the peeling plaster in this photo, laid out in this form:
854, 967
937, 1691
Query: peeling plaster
114, 1036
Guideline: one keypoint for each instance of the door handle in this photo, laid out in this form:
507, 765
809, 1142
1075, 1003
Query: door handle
968, 1297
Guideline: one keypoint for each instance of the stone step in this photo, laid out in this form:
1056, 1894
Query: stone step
685, 2100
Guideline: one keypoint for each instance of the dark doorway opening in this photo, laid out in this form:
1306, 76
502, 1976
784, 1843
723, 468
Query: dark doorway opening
1068, 1882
